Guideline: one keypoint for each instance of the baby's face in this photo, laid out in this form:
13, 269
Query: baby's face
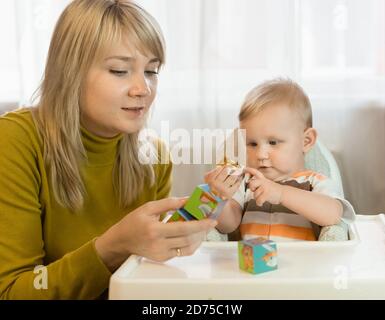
275, 141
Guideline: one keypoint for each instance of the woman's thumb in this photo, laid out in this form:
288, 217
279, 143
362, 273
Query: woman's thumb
158, 207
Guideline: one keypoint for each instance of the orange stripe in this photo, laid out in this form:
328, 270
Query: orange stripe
278, 230
307, 174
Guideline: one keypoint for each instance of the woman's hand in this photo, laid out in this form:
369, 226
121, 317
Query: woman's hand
140, 232
263, 188
224, 180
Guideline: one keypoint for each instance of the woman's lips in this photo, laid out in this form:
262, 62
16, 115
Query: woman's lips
135, 111
133, 108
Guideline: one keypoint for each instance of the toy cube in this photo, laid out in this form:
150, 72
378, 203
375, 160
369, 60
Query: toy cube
203, 203
257, 255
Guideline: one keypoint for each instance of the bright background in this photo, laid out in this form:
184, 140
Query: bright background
217, 50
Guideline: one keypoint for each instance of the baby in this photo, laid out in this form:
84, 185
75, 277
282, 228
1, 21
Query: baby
282, 200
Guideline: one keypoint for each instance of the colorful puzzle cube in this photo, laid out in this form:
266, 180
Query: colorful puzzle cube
257, 255
203, 203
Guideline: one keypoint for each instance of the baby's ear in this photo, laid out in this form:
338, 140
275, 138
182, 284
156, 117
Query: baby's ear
309, 139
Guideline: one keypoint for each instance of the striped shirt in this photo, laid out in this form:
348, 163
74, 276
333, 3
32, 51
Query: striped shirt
281, 224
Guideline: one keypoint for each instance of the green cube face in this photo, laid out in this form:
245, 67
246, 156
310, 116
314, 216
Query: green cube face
202, 202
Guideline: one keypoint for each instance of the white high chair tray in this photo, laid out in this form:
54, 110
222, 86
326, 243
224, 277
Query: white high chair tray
354, 269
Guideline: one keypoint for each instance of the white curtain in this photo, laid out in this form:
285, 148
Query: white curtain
217, 50
35, 20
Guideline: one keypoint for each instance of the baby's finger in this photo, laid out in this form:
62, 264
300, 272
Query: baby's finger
259, 197
254, 172
258, 192
254, 184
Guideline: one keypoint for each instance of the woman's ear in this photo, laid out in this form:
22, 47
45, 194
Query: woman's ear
309, 139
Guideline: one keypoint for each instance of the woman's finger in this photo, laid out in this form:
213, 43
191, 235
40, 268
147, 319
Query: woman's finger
185, 241
189, 249
223, 174
230, 181
156, 208
184, 228
212, 174
235, 186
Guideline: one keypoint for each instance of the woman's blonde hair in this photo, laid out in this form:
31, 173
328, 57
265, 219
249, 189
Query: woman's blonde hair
83, 33
276, 91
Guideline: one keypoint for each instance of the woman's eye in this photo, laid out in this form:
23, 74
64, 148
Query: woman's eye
118, 72
273, 142
252, 144
151, 72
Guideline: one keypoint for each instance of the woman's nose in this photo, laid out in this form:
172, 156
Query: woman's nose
139, 86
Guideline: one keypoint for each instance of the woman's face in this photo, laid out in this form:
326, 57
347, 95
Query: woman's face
118, 92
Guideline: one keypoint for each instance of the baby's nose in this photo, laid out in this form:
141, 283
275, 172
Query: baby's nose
262, 153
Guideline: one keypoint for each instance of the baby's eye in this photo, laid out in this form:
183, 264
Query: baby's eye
252, 144
273, 142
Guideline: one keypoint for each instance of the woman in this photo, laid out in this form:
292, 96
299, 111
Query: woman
75, 199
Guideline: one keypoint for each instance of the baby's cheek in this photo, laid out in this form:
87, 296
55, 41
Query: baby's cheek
286, 166
251, 161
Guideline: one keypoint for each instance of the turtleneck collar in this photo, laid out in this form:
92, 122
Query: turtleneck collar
100, 151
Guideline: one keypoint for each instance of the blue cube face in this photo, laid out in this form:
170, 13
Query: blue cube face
265, 256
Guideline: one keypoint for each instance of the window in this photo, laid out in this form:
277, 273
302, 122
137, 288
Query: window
9, 66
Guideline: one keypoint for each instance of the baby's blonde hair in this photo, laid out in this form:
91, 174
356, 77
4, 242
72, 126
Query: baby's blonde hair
276, 91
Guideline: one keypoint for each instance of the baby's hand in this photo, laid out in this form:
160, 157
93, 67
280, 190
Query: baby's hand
224, 180
263, 188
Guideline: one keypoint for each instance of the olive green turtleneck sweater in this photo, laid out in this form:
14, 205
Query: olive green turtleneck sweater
35, 230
